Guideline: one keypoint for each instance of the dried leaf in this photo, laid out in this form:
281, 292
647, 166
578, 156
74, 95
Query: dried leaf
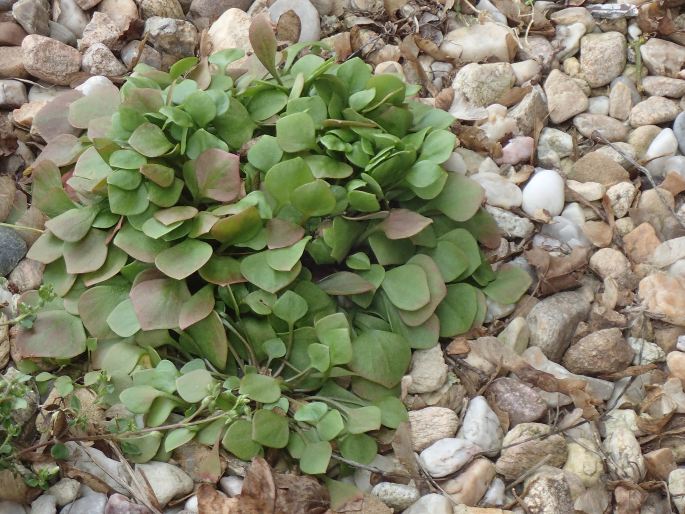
201, 74
429, 47
12, 487
558, 273
85, 478
514, 95
8, 190
211, 501
475, 139
8, 141
444, 99
263, 42
289, 27
404, 451
628, 500
392, 6
300, 495
458, 346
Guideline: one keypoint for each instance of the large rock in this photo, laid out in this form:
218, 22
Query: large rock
664, 296
101, 29
549, 493
479, 42
584, 461
535, 445
121, 12
519, 401
610, 128
175, 37
484, 84
602, 57
431, 424
565, 98
99, 60
602, 352
428, 371
12, 250
11, 33
33, 16
653, 111
167, 481
205, 12
50, 60
446, 456
231, 30
663, 57
597, 167
624, 455
553, 320
664, 86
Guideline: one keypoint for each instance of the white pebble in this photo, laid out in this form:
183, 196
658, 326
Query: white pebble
544, 191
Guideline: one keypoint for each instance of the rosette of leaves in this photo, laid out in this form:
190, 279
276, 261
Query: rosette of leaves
251, 260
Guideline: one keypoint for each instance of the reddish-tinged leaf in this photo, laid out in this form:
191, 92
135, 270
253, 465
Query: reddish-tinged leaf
345, 283
264, 43
403, 224
48, 192
282, 233
158, 302
54, 334
53, 119
197, 308
218, 175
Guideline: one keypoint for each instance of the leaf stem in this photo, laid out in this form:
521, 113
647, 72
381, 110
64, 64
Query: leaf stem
22, 227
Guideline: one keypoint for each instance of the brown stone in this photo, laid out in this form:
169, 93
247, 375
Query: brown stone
601, 352
596, 167
519, 401
12, 63
11, 33
640, 243
50, 60
674, 183
664, 297
660, 463
24, 115
598, 232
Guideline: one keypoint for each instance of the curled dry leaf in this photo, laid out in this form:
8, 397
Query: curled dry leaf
628, 499
444, 99
404, 451
514, 95
475, 139
429, 47
7, 193
211, 501
558, 273
8, 141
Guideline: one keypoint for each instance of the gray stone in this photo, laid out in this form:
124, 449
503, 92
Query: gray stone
119, 504
620, 101
12, 94
12, 250
679, 131
601, 352
45, 504
167, 481
484, 84
62, 34
428, 371
481, 426
624, 455
553, 145
99, 60
664, 86
533, 448
175, 37
161, 8
676, 486
231, 485
72, 17
91, 504
396, 496
431, 504
511, 224
663, 57
518, 400
653, 111
8, 507
553, 320
532, 107
93, 461
121, 12
149, 55
431, 424
50, 60
549, 493
610, 128
65, 491
446, 456
33, 16
602, 57
101, 29
565, 98
205, 12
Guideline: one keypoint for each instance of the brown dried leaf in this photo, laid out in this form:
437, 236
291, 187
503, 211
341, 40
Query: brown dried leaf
630, 371
429, 47
392, 6
259, 485
289, 27
558, 273
674, 183
12, 487
458, 346
7, 193
404, 451
300, 495
8, 140
201, 74
211, 501
514, 95
85, 478
475, 139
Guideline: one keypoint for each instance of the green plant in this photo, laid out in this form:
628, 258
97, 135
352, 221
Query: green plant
251, 261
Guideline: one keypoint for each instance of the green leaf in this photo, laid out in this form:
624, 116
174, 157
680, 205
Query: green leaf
184, 259
458, 310
270, 429
260, 388
195, 385
141, 448
88, 254
265, 153
316, 457
95, 306
158, 302
407, 287
137, 244
381, 357
125, 179
285, 259
59, 452
438, 146
202, 140
360, 448
460, 198
364, 419
218, 175
314, 198
345, 283
393, 411
323, 166
201, 106
126, 159
295, 132
225, 57
285, 177
182, 67
238, 440
126, 202
122, 320
290, 307
510, 283
210, 338
330, 425
255, 268
74, 224
149, 140
138, 399
319, 357
159, 174
177, 438
361, 99
274, 348
48, 191
221, 270
311, 412
267, 103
